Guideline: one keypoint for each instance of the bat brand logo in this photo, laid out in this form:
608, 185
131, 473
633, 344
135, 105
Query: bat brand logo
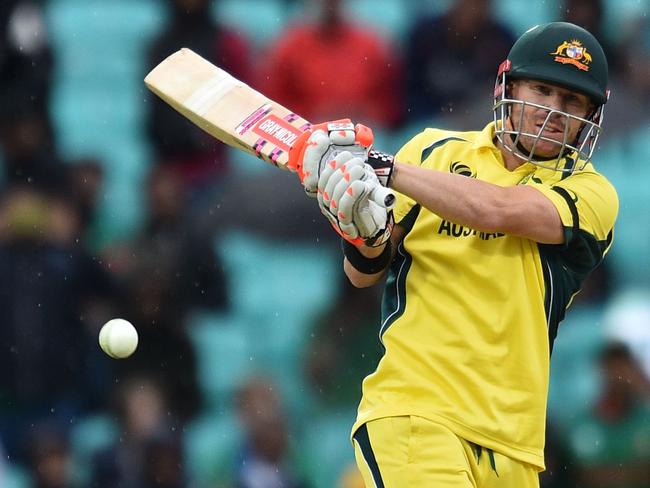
573, 52
277, 131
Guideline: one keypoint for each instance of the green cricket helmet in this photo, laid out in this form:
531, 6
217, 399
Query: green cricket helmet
566, 55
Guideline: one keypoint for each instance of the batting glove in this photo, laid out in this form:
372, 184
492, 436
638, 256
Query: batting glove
353, 200
321, 144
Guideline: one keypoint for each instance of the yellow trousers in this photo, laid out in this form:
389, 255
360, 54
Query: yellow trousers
413, 452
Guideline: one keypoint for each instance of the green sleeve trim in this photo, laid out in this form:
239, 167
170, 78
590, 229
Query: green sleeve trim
394, 300
565, 267
426, 152
569, 233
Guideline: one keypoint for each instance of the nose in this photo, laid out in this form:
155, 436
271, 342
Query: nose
556, 102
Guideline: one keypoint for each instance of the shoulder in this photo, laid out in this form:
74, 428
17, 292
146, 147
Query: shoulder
425, 142
590, 178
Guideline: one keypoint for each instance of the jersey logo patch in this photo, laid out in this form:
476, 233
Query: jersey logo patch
462, 169
573, 52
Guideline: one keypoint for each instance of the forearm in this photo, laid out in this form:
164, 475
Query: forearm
362, 280
520, 210
466, 201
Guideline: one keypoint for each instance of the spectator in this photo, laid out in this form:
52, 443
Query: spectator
26, 59
305, 70
50, 462
449, 55
630, 85
29, 151
628, 60
168, 271
195, 156
611, 444
46, 282
86, 178
559, 463
265, 460
148, 453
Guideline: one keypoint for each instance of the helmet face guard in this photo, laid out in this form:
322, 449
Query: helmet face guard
572, 155
565, 55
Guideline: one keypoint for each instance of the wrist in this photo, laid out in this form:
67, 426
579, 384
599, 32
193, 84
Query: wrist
383, 164
367, 260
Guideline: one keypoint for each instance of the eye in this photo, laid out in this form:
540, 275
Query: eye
542, 89
576, 104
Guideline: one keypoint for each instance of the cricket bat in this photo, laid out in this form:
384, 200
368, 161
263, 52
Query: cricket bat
232, 111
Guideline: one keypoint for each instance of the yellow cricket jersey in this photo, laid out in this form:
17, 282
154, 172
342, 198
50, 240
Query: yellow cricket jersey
468, 317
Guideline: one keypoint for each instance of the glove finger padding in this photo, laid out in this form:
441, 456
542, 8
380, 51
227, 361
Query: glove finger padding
326, 182
317, 146
348, 189
368, 217
342, 137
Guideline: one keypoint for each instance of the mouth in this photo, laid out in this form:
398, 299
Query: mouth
551, 131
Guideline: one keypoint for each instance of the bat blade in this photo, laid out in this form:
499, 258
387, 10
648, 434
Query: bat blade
225, 107
230, 110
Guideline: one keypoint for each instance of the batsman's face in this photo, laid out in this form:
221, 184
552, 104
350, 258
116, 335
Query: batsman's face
554, 98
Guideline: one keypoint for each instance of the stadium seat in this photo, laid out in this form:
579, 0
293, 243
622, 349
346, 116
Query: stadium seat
261, 21
278, 277
211, 443
390, 18
620, 14
624, 162
574, 375
97, 99
89, 436
230, 349
224, 357
14, 476
326, 443
245, 164
520, 16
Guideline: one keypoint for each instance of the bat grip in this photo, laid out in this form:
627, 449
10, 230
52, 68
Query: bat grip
383, 196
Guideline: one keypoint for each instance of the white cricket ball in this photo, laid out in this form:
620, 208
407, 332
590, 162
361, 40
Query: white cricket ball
118, 338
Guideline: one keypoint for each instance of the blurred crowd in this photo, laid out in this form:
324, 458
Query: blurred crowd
60, 281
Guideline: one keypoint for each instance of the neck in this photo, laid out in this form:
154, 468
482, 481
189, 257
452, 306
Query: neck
510, 161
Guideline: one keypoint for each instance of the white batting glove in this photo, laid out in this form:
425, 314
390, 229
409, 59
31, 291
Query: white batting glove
352, 198
325, 142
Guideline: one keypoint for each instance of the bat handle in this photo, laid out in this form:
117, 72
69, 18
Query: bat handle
383, 196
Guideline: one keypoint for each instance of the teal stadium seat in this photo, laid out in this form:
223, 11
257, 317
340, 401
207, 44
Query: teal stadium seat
261, 21
89, 436
211, 443
98, 96
327, 447
520, 16
277, 289
246, 165
224, 359
14, 476
278, 277
620, 14
390, 18
574, 376
624, 162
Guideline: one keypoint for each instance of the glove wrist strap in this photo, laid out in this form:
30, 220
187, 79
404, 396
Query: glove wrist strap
365, 264
383, 164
